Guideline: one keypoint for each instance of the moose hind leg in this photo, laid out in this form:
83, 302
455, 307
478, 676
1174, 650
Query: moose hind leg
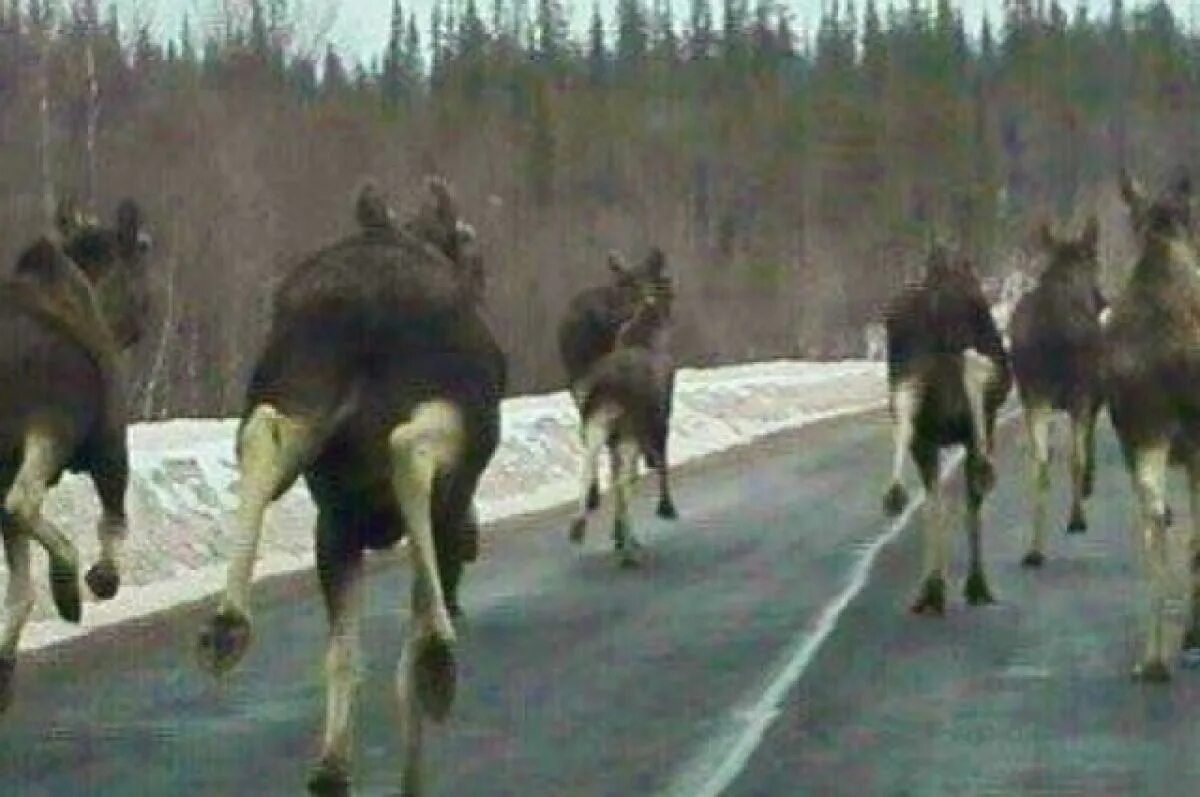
1191, 636
1037, 426
111, 481
904, 399
1089, 468
272, 448
931, 596
422, 448
40, 464
18, 605
666, 503
341, 585
978, 372
1149, 466
595, 437
625, 540
1080, 458
977, 591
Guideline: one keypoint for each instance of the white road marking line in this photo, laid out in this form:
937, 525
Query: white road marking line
719, 763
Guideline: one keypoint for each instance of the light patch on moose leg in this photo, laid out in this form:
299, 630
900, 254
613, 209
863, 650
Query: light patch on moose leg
903, 401
422, 447
978, 373
1037, 427
1079, 464
627, 543
342, 673
271, 451
18, 604
1149, 477
595, 435
23, 505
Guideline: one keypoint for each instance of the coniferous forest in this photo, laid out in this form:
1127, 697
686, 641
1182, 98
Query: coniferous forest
792, 176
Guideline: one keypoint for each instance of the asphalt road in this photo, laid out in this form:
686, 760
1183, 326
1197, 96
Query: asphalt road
723, 666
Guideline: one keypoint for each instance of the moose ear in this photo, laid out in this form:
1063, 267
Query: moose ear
617, 264
1131, 191
131, 238
1091, 233
371, 209
444, 205
67, 219
1045, 236
1183, 185
656, 263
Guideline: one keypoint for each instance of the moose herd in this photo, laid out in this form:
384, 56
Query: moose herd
949, 374
380, 385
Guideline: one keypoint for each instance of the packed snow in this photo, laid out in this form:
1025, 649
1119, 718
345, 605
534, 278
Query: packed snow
183, 478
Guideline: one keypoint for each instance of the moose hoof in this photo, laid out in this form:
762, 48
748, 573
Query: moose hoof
436, 673
224, 642
329, 778
932, 598
985, 472
629, 558
1152, 672
103, 580
1077, 524
895, 500
8, 675
1189, 654
578, 527
64, 588
666, 509
1033, 559
593, 498
977, 591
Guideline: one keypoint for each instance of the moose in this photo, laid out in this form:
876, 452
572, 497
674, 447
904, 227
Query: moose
77, 299
1057, 359
588, 331
380, 384
624, 401
948, 374
1152, 386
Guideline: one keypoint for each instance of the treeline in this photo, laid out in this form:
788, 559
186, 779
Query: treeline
792, 177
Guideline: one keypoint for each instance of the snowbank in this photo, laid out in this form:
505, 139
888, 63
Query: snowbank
184, 474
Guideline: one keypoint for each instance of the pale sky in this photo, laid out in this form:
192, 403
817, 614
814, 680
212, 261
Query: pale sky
359, 27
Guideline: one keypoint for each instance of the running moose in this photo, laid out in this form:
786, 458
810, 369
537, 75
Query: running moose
381, 385
948, 374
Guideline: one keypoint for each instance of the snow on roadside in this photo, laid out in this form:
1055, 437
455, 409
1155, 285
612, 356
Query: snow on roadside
183, 477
